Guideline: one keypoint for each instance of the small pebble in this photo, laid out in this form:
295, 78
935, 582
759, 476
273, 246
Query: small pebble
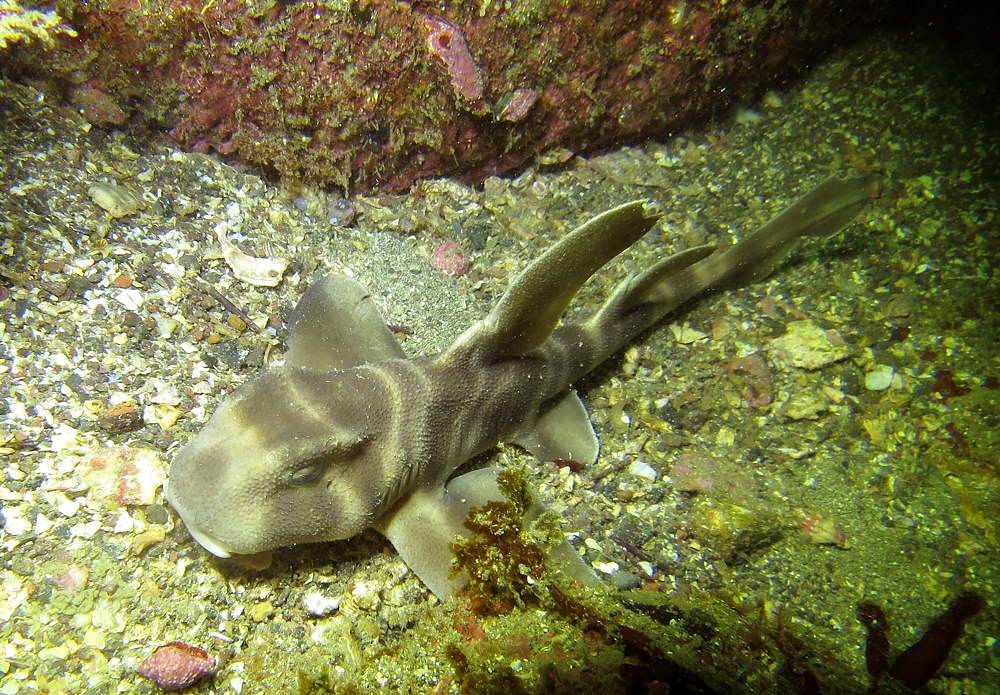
686, 335
13, 523
879, 378
263, 272
772, 100
823, 530
236, 323
116, 200
340, 212
624, 581
449, 259
808, 346
163, 414
78, 285
261, 611
319, 605
121, 475
165, 326
607, 567
516, 105
131, 299
643, 470
58, 653
122, 418
743, 115
151, 536
157, 514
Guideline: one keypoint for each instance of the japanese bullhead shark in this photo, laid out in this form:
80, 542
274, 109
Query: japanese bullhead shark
350, 433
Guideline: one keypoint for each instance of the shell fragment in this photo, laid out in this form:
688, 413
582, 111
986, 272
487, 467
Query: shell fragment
265, 272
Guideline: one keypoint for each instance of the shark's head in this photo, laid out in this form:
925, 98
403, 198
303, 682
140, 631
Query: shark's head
277, 465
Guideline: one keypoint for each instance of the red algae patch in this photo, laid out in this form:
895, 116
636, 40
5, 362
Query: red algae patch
450, 259
448, 44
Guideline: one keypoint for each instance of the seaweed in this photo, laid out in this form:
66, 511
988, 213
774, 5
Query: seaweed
877, 642
918, 664
499, 558
915, 666
650, 667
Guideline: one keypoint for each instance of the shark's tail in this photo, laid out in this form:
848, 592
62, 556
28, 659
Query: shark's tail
528, 314
643, 299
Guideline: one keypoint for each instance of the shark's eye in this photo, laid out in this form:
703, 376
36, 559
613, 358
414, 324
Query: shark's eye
307, 473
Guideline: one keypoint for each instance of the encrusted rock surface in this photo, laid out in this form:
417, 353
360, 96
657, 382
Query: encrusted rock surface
380, 93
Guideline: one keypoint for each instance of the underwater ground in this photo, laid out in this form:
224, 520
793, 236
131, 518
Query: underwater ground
783, 465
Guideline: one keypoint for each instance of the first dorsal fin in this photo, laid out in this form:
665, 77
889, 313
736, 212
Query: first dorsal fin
529, 311
336, 325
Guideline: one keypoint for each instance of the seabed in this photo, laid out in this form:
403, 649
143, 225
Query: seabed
746, 500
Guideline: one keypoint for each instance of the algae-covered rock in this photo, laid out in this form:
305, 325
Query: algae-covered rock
808, 346
378, 94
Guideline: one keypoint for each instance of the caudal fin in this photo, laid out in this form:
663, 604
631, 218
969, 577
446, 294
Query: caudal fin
823, 211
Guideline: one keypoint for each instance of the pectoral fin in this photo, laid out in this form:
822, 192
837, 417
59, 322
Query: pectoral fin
424, 525
562, 431
421, 529
336, 325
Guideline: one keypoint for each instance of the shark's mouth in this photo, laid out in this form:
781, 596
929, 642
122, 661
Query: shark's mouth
205, 540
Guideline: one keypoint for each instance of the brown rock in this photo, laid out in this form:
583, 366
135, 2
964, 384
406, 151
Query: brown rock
122, 418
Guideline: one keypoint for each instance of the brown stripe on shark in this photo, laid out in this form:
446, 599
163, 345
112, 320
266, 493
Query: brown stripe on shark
350, 434
404, 458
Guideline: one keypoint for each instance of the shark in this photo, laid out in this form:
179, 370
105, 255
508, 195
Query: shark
349, 432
